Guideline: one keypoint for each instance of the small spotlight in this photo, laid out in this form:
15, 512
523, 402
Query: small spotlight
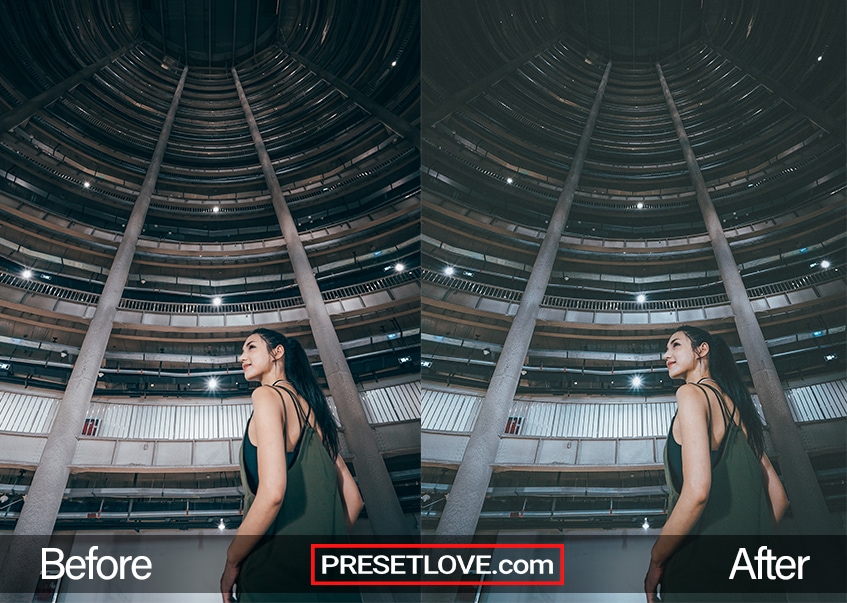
394, 63
426, 363
26, 274
820, 58
486, 352
216, 209
639, 205
101, 374
523, 371
63, 354
825, 264
398, 267
86, 184
217, 301
509, 181
449, 270
212, 384
405, 360
221, 525
637, 381
646, 524
641, 298
830, 357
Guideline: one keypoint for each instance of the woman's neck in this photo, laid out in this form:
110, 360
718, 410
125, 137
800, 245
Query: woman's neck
272, 378
696, 375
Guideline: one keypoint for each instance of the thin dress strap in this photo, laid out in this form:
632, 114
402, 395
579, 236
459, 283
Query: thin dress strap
708, 411
728, 417
302, 418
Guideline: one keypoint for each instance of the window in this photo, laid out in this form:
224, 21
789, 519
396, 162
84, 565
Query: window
513, 425
91, 426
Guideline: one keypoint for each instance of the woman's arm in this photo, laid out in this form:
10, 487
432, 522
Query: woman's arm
692, 433
269, 426
350, 495
776, 493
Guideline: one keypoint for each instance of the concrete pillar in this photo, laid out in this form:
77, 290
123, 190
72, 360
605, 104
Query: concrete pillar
21, 113
807, 502
394, 122
464, 503
377, 490
21, 567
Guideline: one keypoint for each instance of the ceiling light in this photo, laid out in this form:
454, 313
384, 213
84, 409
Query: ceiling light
63, 354
449, 271
825, 264
523, 371
646, 524
26, 274
641, 298
405, 359
820, 58
216, 209
637, 381
509, 180
398, 267
86, 184
639, 205
831, 357
221, 525
212, 383
394, 63
486, 352
217, 301
426, 363
100, 374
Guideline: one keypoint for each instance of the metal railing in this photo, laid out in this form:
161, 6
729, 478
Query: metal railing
87, 298
572, 303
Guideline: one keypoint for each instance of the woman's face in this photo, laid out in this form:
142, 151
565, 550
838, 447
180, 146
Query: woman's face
256, 359
680, 356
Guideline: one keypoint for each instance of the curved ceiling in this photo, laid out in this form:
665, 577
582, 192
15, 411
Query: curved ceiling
761, 91
70, 172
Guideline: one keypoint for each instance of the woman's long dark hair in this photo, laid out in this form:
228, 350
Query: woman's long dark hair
724, 370
299, 373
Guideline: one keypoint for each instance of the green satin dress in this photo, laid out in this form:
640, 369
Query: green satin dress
278, 568
738, 505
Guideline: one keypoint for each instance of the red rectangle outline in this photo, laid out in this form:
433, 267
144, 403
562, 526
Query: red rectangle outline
559, 582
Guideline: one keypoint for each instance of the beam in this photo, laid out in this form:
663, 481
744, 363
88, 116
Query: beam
20, 114
808, 504
395, 123
461, 513
377, 488
20, 571
815, 115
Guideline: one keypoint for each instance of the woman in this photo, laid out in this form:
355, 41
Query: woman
289, 456
720, 479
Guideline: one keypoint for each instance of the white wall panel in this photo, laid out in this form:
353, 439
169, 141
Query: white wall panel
587, 418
